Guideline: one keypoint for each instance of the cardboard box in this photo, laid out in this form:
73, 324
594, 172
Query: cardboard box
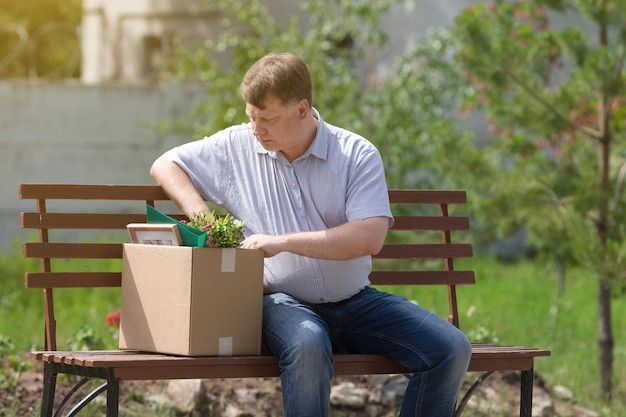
191, 301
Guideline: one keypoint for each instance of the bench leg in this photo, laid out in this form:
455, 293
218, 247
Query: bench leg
526, 394
113, 397
112, 387
49, 388
69, 397
84, 401
470, 392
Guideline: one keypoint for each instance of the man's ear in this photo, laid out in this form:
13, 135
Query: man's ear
303, 107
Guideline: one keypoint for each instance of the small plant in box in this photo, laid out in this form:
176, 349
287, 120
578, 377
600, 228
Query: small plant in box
221, 231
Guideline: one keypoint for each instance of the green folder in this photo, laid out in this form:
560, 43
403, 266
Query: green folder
190, 235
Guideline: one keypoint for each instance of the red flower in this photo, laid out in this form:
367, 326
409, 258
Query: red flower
113, 319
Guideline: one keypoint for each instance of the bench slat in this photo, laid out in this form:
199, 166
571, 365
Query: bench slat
73, 250
427, 196
422, 277
33, 220
425, 250
79, 220
114, 250
154, 192
430, 223
72, 279
114, 279
91, 192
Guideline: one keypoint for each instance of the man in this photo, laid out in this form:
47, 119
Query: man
315, 201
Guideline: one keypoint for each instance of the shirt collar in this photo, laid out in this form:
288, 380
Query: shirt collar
319, 146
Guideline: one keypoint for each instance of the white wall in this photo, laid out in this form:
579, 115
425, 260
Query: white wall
77, 134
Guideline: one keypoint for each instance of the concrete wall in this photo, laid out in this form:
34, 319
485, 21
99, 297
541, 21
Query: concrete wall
78, 134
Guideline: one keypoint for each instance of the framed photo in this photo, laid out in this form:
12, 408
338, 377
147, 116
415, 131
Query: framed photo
166, 234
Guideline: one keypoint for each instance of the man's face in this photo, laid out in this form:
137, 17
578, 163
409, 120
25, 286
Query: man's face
279, 126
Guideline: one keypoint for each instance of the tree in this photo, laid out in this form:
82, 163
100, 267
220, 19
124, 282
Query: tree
39, 38
407, 114
332, 40
556, 101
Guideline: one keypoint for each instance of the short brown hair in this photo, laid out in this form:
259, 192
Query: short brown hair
284, 76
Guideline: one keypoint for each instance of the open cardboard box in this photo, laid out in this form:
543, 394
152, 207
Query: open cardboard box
191, 301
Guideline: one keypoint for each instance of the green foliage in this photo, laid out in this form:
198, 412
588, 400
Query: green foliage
526, 71
411, 117
81, 307
86, 338
10, 375
407, 114
326, 40
517, 303
482, 334
553, 97
48, 45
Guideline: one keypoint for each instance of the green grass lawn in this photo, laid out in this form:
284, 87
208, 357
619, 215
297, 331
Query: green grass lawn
517, 303
80, 319
513, 302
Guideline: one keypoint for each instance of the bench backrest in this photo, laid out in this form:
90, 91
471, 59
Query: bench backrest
418, 258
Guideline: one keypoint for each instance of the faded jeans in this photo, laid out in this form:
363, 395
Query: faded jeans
304, 336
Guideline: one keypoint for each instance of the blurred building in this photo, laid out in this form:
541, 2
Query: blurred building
128, 40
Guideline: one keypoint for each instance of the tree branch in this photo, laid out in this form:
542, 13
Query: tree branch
594, 134
619, 185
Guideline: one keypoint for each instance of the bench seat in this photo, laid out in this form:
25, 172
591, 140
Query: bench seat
134, 365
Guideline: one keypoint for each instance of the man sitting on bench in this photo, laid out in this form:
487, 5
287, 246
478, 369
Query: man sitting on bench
315, 201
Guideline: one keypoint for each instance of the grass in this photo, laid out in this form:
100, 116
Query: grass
81, 320
517, 303
513, 302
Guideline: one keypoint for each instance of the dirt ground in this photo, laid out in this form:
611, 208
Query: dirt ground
142, 398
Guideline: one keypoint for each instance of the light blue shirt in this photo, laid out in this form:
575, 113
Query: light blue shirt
340, 178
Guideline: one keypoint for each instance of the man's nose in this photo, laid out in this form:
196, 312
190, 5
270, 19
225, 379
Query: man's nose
258, 129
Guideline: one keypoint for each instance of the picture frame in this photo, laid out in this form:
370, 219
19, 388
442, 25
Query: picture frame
164, 234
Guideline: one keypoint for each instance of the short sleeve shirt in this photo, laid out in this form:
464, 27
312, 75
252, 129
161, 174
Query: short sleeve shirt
339, 179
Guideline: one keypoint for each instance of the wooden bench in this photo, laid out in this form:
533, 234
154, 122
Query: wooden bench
422, 231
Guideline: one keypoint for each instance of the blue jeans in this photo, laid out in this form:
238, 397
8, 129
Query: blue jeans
304, 336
